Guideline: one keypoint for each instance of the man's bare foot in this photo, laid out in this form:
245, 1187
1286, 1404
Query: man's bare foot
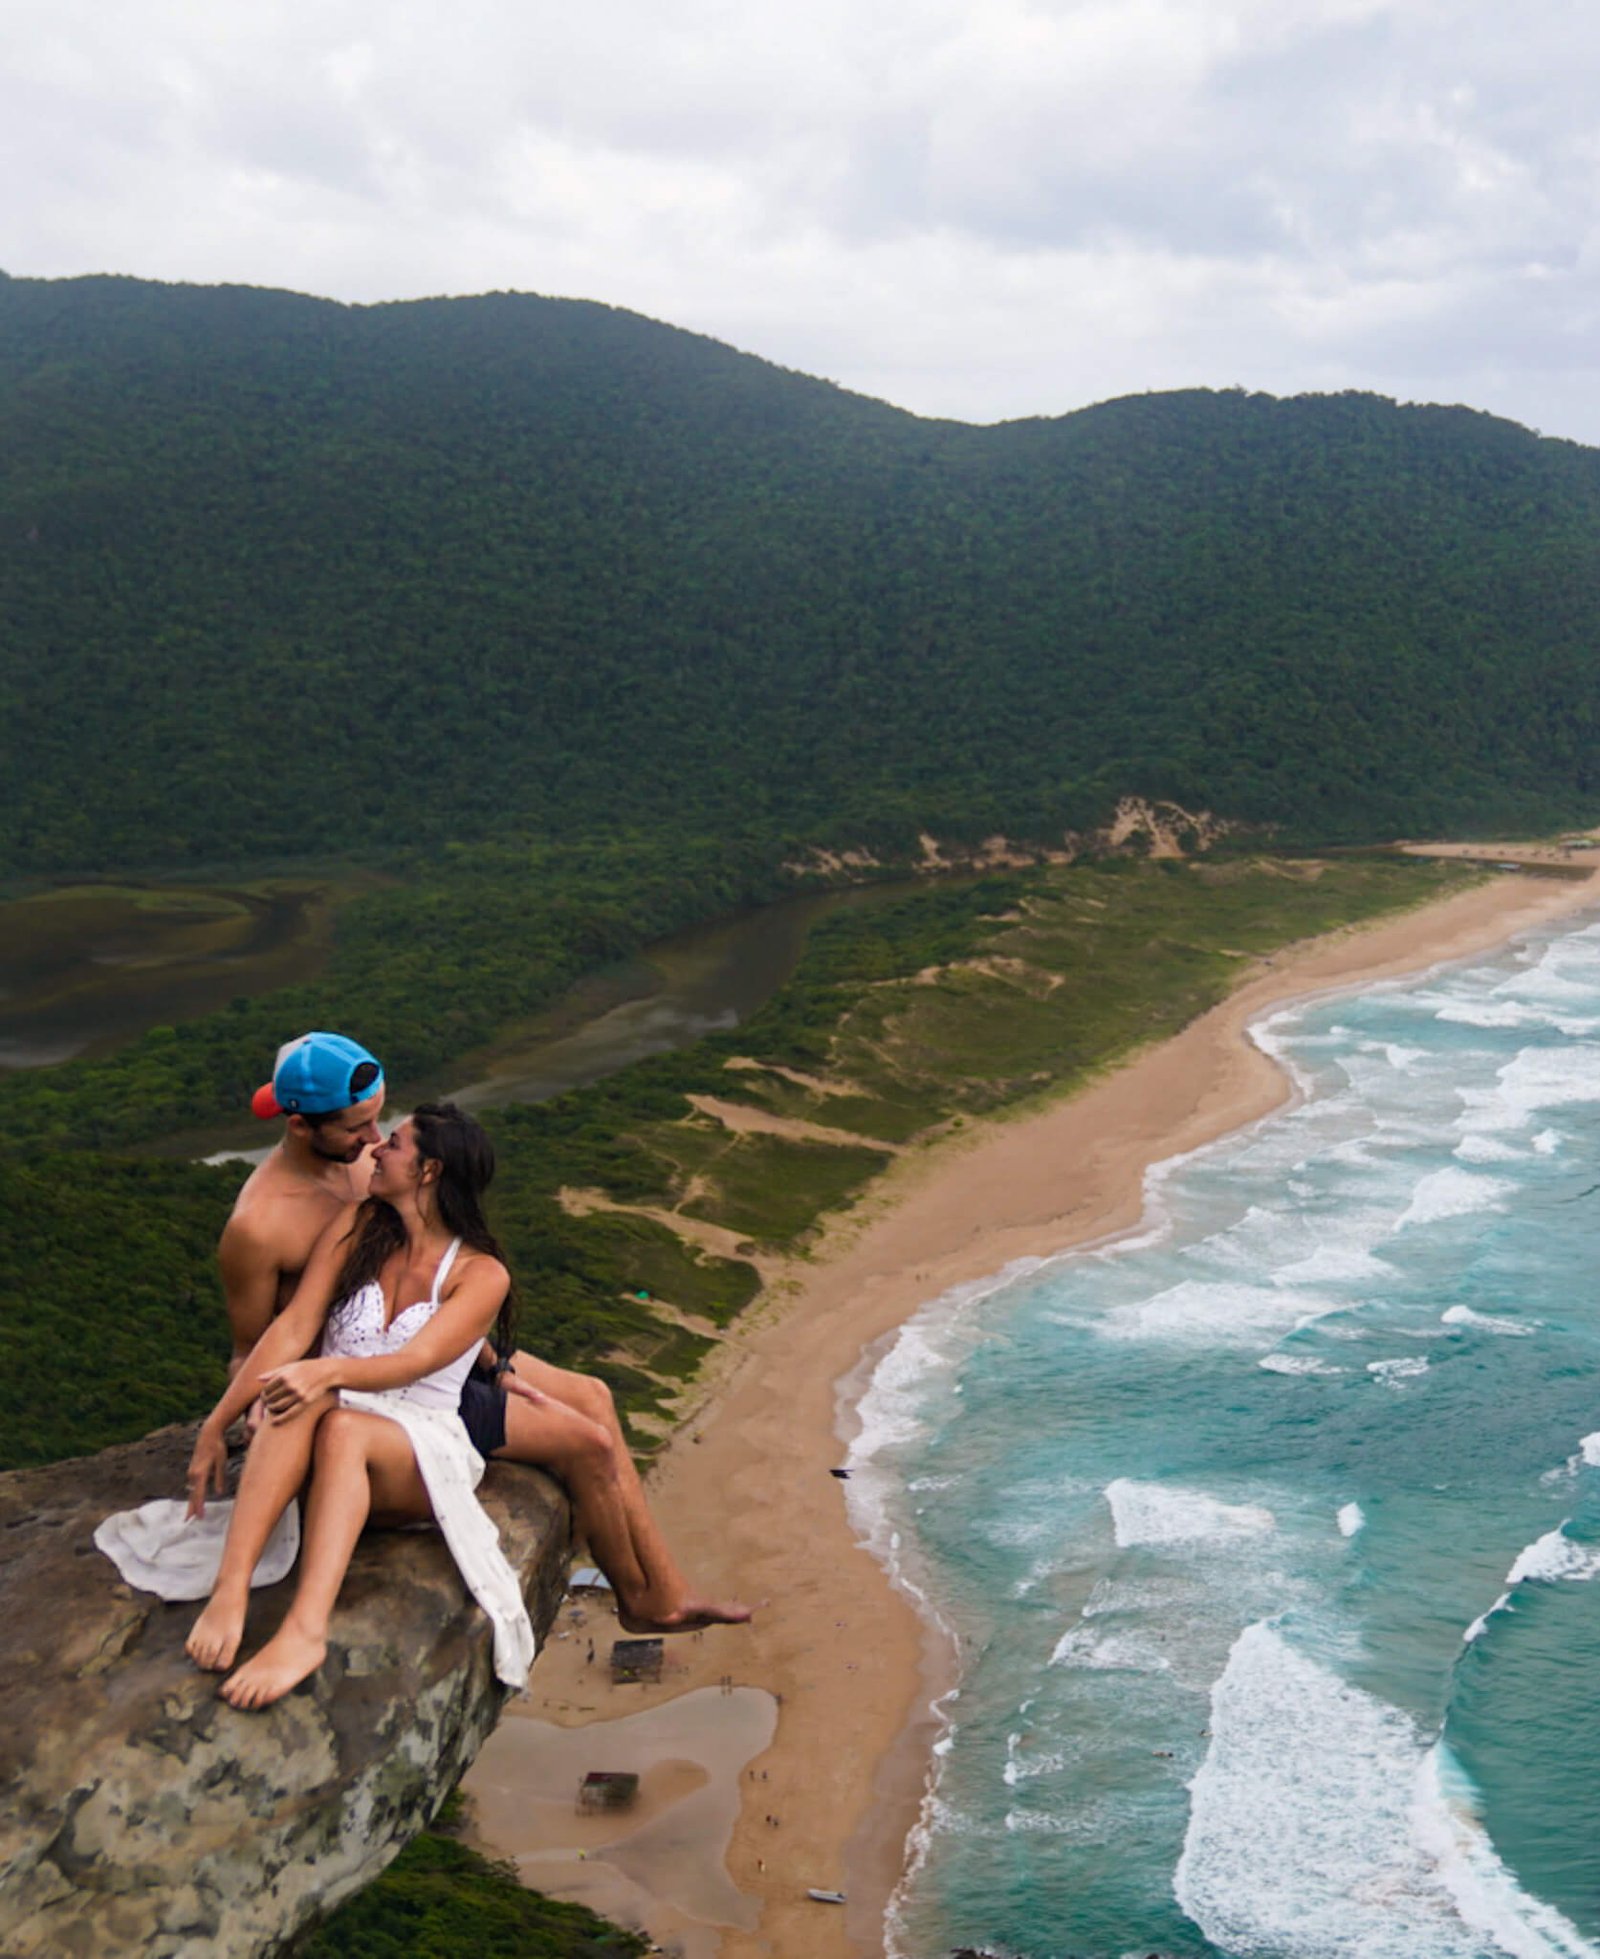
287, 1658
691, 1616
214, 1637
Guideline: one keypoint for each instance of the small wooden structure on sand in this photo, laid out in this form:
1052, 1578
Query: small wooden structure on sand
606, 1789
636, 1659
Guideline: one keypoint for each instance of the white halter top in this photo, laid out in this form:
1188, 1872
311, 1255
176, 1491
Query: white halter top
355, 1327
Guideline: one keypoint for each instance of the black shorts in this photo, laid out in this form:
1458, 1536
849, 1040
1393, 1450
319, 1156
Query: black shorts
483, 1410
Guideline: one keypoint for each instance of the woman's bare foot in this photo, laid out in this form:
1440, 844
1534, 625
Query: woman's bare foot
287, 1658
690, 1616
214, 1637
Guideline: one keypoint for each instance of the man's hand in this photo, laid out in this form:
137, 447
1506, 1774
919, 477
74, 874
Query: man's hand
512, 1385
207, 1468
290, 1391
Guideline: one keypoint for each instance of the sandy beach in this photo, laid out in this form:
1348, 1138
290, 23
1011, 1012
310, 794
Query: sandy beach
845, 1662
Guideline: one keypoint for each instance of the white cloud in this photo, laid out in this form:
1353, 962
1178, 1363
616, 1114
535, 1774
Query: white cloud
974, 207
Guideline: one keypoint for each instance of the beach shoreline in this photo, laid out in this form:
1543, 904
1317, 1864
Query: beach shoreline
744, 1490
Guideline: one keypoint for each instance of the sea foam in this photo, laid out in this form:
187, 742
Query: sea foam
1487, 1322
1555, 1556
1445, 1826
1452, 1193
1314, 1832
1404, 1367
1220, 1313
1163, 1513
1296, 1364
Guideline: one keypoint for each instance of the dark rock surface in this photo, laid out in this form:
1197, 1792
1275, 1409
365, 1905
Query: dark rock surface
143, 1814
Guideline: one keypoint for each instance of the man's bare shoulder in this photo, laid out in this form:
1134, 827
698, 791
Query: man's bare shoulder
278, 1216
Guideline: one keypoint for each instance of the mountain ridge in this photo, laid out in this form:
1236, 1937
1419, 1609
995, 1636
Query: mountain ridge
512, 566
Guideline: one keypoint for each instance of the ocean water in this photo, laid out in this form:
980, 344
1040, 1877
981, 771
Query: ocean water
1269, 1533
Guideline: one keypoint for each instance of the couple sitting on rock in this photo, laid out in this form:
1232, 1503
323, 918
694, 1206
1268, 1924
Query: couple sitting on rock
363, 1286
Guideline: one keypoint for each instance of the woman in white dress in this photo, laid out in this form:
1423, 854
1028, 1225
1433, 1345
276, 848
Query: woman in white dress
401, 1291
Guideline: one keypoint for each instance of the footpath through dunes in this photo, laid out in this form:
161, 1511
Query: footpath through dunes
1117, 961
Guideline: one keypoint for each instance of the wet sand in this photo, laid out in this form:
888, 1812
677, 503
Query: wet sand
745, 1494
659, 1859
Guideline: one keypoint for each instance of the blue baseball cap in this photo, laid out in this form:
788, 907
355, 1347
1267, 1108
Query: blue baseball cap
317, 1074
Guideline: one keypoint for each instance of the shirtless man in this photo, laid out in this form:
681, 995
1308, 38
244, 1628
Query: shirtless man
332, 1090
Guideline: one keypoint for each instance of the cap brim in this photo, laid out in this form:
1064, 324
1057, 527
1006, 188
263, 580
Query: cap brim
264, 1104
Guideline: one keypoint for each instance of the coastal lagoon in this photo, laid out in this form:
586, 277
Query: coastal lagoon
84, 968
1268, 1533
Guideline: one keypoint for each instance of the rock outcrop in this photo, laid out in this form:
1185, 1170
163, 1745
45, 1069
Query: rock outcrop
143, 1814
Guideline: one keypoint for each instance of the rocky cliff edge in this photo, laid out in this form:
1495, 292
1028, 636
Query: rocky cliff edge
143, 1814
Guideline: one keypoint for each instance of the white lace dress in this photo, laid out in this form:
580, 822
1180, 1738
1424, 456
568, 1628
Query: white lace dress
451, 1469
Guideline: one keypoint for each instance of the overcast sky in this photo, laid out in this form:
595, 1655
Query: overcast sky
976, 208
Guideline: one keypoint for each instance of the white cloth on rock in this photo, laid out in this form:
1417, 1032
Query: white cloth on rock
160, 1548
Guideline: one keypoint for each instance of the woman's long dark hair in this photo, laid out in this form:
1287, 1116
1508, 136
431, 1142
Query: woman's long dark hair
451, 1138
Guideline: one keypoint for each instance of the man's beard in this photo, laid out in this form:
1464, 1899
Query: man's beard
348, 1154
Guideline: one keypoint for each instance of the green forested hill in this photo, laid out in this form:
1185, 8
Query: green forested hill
277, 573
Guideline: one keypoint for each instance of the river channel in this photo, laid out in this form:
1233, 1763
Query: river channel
85, 969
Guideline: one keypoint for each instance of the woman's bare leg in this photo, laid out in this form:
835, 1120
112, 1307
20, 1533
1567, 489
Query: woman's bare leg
652, 1593
364, 1466
274, 1469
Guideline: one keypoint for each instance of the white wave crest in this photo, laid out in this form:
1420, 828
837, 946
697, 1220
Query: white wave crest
1103, 1652
1215, 1312
1391, 1372
1555, 1556
1351, 1519
1495, 1013
1452, 1193
1296, 1364
889, 1412
1445, 1825
1307, 1838
1164, 1513
1489, 1322
1330, 1264
1477, 1148
1538, 1078
1480, 1625
1022, 1768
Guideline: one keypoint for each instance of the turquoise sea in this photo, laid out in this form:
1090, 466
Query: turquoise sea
1269, 1533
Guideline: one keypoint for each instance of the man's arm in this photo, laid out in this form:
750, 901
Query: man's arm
293, 1332
248, 1263
467, 1313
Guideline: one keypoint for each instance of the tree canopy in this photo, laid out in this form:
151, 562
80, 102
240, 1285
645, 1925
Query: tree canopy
277, 574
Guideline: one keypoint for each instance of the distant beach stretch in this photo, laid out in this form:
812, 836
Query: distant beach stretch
855, 1664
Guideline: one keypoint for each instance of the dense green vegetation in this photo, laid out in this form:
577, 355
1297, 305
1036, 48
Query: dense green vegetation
277, 573
440, 1900
902, 1018
110, 1317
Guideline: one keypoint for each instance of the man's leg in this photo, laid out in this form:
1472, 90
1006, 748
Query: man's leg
274, 1469
365, 1466
652, 1593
